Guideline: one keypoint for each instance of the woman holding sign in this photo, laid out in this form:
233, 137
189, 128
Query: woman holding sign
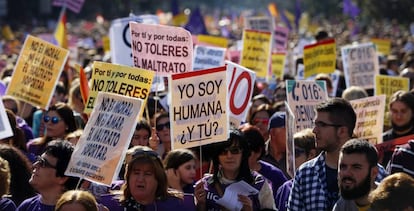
231, 165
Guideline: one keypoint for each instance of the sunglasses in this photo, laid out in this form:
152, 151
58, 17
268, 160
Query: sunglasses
232, 150
264, 121
53, 119
43, 163
144, 153
161, 126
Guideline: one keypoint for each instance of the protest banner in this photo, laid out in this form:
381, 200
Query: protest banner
120, 38
206, 57
74, 5
37, 71
388, 85
221, 42
370, 118
278, 64
5, 128
198, 110
383, 45
290, 144
360, 63
164, 49
118, 79
388, 147
280, 40
259, 23
302, 97
256, 51
319, 57
100, 151
241, 84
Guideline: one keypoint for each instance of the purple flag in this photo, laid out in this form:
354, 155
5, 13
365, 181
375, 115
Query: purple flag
298, 14
285, 20
196, 23
350, 9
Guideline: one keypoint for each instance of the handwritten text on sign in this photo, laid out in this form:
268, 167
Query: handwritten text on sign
302, 97
164, 49
198, 107
37, 71
99, 153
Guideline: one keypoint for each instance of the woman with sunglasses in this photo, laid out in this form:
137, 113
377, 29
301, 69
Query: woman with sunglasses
260, 119
163, 137
146, 185
230, 163
59, 122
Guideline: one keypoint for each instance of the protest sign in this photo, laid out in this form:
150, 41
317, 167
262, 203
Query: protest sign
290, 144
278, 64
100, 151
256, 51
388, 85
37, 72
120, 37
206, 57
164, 49
370, 118
241, 84
119, 79
198, 111
259, 23
74, 5
360, 63
320, 57
302, 97
383, 45
5, 128
281, 36
213, 40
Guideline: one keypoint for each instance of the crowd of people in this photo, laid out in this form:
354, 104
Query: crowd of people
334, 170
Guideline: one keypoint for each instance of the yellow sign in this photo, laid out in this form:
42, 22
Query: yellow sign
278, 64
119, 79
213, 40
388, 85
319, 58
383, 45
256, 51
37, 71
106, 44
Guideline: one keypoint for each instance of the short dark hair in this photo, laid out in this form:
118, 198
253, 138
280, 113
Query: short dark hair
361, 146
340, 111
403, 96
62, 150
143, 124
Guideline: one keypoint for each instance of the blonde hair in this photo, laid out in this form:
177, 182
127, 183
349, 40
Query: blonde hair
84, 198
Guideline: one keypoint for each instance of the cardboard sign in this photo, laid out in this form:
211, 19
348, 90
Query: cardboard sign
213, 40
320, 58
198, 111
99, 154
164, 49
241, 84
256, 51
118, 79
388, 85
302, 97
206, 57
281, 37
383, 45
278, 64
360, 63
37, 72
290, 143
370, 118
5, 128
262, 23
120, 37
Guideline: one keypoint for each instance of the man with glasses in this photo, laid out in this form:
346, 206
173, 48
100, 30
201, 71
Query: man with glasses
315, 186
48, 177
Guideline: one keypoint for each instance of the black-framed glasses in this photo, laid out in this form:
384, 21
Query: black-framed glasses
161, 126
324, 124
233, 150
53, 119
42, 162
